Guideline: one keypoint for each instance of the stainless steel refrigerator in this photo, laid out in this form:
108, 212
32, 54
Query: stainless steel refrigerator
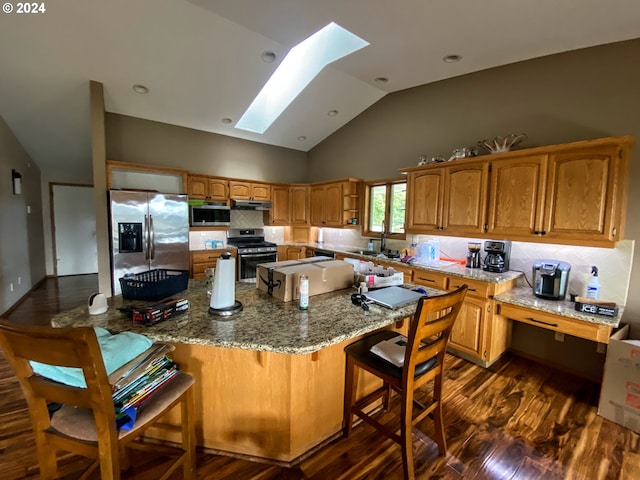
148, 230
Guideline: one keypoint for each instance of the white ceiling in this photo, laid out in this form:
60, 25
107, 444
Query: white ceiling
201, 59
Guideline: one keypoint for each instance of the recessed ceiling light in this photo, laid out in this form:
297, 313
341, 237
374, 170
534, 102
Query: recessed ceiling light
302, 138
297, 69
268, 57
381, 80
141, 89
226, 120
332, 113
452, 58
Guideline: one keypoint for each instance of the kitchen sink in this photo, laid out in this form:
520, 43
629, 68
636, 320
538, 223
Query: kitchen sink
365, 252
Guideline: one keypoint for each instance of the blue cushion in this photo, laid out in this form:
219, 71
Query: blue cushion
116, 351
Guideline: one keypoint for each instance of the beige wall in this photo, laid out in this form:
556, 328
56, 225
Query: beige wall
136, 140
585, 94
21, 247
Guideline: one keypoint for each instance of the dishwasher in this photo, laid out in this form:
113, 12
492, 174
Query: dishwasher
319, 252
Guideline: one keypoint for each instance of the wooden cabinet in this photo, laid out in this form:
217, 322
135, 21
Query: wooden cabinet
290, 205
296, 253
335, 204
202, 259
208, 188
478, 335
450, 199
573, 194
242, 190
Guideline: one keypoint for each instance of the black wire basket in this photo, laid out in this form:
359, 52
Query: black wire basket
154, 284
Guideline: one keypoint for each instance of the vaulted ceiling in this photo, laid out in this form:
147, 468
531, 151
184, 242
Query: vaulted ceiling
201, 59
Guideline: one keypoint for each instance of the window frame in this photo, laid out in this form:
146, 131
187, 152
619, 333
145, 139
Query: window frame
366, 232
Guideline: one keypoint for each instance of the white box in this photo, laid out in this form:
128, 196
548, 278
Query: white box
620, 393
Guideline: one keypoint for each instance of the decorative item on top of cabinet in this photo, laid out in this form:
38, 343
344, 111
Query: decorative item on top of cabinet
208, 188
336, 204
245, 190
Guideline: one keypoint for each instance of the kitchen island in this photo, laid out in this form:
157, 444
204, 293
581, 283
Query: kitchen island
270, 379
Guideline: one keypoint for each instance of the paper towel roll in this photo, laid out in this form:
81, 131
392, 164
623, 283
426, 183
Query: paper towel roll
320, 236
223, 294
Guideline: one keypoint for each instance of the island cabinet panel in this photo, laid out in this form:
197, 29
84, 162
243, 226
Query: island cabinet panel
516, 196
264, 404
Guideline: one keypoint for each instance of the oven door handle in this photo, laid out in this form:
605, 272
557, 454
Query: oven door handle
254, 255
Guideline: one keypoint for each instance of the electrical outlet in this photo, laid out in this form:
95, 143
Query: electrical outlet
19, 280
203, 234
559, 337
11, 287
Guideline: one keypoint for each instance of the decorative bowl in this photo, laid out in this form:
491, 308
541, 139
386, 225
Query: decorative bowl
502, 144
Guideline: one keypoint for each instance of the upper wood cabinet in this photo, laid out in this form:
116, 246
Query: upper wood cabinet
208, 188
335, 204
448, 199
573, 193
242, 190
290, 205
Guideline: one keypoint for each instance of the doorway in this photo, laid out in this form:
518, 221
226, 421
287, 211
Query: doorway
73, 221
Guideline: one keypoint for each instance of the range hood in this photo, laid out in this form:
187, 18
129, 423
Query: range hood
250, 205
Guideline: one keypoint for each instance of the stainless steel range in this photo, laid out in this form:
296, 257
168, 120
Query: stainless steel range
252, 250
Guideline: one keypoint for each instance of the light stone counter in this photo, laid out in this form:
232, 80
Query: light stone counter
265, 323
524, 297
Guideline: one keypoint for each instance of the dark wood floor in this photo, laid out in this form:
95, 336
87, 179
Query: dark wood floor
517, 420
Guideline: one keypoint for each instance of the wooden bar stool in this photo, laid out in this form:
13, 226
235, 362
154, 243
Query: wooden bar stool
424, 354
86, 423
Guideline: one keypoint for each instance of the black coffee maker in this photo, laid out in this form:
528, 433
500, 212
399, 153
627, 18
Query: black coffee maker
497, 255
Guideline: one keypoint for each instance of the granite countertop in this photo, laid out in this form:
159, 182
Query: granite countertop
448, 268
264, 324
524, 297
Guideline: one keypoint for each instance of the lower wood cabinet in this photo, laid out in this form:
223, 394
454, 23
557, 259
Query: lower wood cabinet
203, 259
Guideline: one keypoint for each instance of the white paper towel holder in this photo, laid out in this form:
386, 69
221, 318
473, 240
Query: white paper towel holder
228, 310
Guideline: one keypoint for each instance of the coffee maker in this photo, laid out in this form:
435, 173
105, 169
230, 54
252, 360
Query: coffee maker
550, 279
497, 256
473, 255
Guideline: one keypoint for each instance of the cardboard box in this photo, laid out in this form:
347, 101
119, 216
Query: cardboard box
281, 279
620, 393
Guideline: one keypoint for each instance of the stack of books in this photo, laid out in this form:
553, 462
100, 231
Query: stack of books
135, 383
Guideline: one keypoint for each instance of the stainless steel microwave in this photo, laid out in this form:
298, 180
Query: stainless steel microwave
210, 215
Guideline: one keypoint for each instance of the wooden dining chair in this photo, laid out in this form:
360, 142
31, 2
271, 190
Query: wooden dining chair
86, 422
424, 354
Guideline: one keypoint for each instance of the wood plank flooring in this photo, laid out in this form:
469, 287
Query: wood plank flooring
516, 420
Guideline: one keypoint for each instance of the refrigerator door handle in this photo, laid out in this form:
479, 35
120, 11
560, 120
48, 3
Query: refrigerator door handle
152, 242
146, 237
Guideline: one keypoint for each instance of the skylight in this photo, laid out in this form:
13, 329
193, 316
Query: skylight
301, 65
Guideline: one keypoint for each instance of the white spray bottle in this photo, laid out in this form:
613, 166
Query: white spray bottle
593, 288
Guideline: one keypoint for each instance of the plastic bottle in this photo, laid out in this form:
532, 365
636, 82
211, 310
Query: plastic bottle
304, 292
593, 289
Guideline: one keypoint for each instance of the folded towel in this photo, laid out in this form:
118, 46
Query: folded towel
116, 351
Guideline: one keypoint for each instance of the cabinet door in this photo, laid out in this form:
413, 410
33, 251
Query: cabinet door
217, 189
197, 187
296, 253
239, 190
318, 200
581, 195
260, 191
299, 212
279, 213
465, 199
425, 189
516, 195
468, 332
334, 205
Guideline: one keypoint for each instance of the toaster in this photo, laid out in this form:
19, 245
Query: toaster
550, 279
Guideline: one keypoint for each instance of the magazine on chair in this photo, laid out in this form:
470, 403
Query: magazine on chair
392, 350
